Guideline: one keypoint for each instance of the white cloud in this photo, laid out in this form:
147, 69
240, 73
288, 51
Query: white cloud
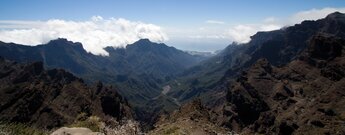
241, 33
214, 22
95, 34
313, 14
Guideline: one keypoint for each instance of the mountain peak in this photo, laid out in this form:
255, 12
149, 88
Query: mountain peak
335, 15
63, 41
144, 40
66, 42
143, 44
59, 40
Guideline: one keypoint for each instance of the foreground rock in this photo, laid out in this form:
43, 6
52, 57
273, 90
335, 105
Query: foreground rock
306, 96
128, 127
75, 131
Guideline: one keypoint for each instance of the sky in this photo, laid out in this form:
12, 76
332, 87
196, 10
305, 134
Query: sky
200, 25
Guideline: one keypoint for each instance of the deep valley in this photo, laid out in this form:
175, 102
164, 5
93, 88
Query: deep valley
285, 81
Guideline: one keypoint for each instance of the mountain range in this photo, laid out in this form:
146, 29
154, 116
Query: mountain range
137, 70
279, 47
286, 81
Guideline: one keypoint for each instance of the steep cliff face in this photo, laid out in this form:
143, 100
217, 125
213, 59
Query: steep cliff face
53, 98
305, 96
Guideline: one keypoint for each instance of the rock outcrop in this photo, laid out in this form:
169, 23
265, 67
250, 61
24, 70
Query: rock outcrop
306, 96
75, 131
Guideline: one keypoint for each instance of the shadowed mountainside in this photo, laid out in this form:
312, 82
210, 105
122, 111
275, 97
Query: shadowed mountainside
52, 98
304, 96
137, 70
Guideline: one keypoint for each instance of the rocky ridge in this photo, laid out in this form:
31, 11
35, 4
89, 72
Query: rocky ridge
304, 96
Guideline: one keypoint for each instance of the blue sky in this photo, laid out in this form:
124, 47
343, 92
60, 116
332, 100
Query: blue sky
158, 11
173, 16
161, 12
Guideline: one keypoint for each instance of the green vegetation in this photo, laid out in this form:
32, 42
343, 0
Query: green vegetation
93, 123
172, 130
19, 129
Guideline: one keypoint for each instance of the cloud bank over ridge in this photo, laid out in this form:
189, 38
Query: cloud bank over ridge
97, 32
94, 34
241, 33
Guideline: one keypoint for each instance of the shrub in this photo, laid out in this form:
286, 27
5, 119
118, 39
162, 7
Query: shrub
93, 123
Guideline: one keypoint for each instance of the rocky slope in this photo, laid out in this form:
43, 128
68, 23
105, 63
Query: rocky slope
306, 96
53, 98
279, 47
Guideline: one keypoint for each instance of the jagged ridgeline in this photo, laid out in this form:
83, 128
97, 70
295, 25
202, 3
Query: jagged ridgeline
279, 47
47, 99
138, 70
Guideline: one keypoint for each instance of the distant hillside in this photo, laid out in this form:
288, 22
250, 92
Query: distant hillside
137, 70
279, 47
